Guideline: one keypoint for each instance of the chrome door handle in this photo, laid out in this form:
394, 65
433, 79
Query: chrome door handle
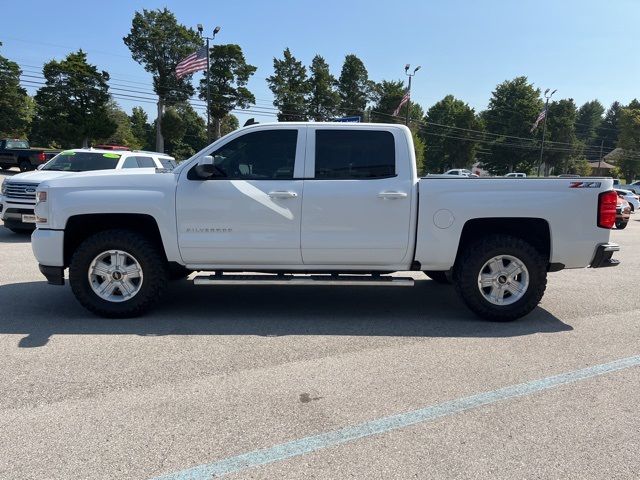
392, 195
283, 194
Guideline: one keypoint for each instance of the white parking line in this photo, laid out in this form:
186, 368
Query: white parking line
387, 424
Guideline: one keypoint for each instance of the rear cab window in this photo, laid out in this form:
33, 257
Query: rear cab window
345, 154
167, 163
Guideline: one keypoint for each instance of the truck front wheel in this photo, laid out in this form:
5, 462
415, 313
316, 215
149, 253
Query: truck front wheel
118, 274
500, 277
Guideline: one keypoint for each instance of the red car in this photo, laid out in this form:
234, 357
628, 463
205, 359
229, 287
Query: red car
623, 212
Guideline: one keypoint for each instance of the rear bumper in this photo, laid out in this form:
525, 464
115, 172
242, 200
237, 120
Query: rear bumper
603, 254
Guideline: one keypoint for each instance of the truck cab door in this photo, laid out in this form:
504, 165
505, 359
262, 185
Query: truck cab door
360, 197
248, 212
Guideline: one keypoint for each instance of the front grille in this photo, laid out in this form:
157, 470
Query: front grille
21, 191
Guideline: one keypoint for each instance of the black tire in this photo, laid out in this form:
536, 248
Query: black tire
476, 255
24, 165
154, 268
178, 272
621, 225
438, 277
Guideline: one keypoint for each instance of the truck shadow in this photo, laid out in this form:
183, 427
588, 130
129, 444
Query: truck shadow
426, 310
7, 236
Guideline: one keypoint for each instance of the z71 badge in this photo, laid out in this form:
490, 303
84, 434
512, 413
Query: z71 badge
585, 184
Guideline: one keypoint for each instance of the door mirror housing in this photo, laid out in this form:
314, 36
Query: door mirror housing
39, 167
205, 168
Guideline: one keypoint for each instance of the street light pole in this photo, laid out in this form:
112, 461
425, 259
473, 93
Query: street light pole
215, 31
547, 96
410, 75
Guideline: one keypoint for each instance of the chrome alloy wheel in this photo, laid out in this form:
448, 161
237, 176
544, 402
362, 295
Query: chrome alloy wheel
115, 276
503, 280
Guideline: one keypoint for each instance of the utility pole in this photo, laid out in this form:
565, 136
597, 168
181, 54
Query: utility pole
600, 159
410, 75
547, 96
215, 31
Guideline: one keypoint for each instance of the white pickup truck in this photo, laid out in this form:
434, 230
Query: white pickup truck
317, 203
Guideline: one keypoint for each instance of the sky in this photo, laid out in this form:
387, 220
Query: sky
585, 49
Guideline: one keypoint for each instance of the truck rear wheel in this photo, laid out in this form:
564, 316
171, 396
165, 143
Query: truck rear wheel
500, 277
24, 165
118, 274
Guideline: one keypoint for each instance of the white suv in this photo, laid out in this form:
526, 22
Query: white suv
19, 191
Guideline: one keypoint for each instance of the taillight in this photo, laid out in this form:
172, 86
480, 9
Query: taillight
607, 202
42, 157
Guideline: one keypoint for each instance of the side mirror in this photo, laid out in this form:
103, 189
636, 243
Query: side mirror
205, 168
39, 167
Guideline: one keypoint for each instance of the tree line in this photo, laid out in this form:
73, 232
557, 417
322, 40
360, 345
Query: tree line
75, 105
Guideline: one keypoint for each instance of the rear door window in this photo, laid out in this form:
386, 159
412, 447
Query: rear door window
354, 154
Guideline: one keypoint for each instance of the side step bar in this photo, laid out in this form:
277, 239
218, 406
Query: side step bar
269, 279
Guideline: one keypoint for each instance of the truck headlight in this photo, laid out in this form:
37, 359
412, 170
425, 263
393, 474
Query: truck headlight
41, 197
3, 189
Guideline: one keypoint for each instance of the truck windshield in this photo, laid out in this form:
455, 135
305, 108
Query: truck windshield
17, 144
82, 161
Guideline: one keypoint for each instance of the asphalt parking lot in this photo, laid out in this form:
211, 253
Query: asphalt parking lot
215, 373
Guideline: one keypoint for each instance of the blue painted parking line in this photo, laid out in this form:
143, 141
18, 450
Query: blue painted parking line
387, 424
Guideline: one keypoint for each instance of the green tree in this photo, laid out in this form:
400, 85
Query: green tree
123, 134
230, 123
561, 139
185, 131
290, 88
354, 87
72, 106
386, 96
588, 120
513, 107
419, 150
323, 97
450, 143
141, 129
609, 129
14, 119
158, 42
229, 74
629, 141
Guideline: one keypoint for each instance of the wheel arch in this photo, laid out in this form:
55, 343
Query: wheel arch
80, 227
535, 231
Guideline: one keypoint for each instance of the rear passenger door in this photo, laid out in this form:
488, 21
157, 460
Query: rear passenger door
357, 200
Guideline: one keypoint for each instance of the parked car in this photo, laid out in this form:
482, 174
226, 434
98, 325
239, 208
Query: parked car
516, 175
18, 194
623, 212
15, 152
629, 196
325, 199
634, 187
461, 172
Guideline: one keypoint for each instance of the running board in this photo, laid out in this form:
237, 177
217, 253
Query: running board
268, 279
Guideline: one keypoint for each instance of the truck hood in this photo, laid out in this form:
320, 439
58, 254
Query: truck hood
138, 178
37, 176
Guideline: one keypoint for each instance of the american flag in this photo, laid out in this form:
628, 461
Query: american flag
405, 99
543, 114
194, 62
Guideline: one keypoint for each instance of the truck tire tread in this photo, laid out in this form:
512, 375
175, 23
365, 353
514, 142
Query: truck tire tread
154, 267
474, 257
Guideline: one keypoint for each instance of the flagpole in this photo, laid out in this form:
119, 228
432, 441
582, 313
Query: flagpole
410, 75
